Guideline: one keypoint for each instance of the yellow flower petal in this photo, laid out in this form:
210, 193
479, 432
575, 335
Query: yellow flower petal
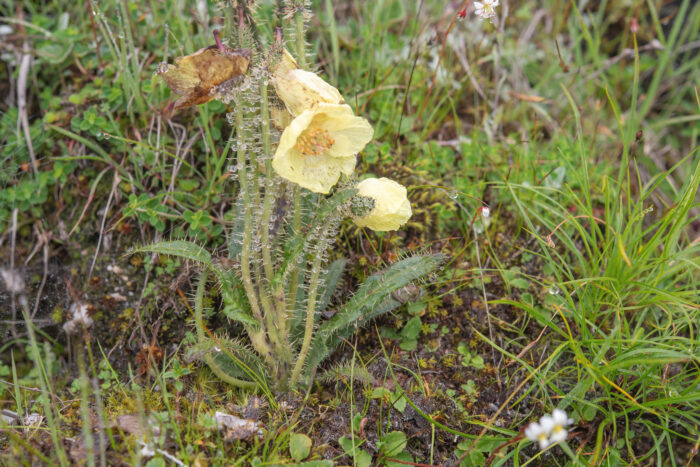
319, 145
391, 206
301, 90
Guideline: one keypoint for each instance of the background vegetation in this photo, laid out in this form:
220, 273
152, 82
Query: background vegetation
575, 122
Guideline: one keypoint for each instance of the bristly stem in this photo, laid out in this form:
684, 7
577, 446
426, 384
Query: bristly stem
301, 44
310, 308
296, 225
279, 307
296, 220
247, 219
269, 190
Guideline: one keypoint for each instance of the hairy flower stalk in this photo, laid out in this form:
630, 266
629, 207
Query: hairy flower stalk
268, 199
296, 222
260, 341
310, 308
276, 309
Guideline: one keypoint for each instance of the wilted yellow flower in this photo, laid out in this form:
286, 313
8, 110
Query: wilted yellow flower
391, 206
319, 145
301, 90
195, 77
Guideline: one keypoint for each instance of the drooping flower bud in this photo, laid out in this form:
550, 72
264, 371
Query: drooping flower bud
301, 90
391, 206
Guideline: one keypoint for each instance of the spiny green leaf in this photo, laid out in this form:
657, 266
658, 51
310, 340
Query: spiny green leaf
182, 248
331, 278
232, 356
372, 299
236, 304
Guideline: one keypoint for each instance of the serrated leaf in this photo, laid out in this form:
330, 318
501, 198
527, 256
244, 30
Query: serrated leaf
180, 248
372, 299
326, 341
233, 357
234, 313
330, 280
231, 289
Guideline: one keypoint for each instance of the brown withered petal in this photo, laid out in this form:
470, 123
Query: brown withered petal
195, 77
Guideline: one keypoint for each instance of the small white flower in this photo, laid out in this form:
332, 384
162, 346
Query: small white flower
561, 421
551, 429
485, 212
146, 450
536, 433
485, 9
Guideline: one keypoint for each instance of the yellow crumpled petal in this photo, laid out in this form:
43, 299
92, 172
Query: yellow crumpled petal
391, 206
319, 145
301, 90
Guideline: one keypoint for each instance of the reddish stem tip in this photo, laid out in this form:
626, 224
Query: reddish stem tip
218, 41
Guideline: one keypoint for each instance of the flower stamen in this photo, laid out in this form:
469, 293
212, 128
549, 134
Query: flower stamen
314, 142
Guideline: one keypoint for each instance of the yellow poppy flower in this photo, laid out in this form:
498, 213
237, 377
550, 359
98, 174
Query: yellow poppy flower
391, 206
301, 90
319, 145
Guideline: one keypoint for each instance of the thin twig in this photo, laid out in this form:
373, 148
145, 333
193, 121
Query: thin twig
13, 238
115, 183
43, 238
94, 33
483, 291
527, 347
27, 388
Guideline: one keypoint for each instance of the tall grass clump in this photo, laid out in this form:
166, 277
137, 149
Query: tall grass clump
624, 316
